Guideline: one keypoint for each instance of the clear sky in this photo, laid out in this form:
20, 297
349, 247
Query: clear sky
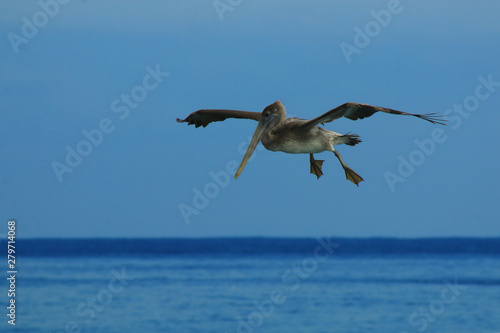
90, 92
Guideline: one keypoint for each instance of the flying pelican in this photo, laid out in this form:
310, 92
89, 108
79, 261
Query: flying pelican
300, 136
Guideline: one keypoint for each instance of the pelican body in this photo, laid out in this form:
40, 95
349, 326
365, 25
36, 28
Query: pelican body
299, 136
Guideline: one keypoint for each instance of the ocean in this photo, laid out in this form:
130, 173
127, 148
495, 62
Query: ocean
256, 285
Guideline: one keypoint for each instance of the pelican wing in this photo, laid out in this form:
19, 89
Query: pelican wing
356, 111
206, 116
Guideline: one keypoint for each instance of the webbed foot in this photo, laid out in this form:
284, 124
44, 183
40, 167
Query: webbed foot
316, 166
351, 175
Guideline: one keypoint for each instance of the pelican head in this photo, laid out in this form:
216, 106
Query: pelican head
271, 116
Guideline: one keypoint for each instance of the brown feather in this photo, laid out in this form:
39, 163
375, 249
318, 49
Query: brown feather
206, 116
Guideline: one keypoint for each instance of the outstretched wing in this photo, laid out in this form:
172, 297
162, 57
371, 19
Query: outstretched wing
356, 111
206, 116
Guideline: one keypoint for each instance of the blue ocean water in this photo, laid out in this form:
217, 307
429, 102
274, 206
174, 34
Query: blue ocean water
257, 285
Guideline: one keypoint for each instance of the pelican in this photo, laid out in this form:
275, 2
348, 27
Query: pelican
300, 136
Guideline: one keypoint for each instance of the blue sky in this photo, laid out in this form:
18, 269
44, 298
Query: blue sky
109, 78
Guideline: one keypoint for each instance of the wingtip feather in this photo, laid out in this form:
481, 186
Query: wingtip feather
433, 118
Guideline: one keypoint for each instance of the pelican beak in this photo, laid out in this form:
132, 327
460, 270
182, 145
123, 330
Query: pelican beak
263, 127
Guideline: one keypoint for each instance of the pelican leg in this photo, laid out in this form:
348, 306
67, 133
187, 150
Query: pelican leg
349, 173
316, 166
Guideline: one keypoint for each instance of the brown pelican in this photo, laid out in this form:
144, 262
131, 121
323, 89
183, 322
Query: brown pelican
299, 136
